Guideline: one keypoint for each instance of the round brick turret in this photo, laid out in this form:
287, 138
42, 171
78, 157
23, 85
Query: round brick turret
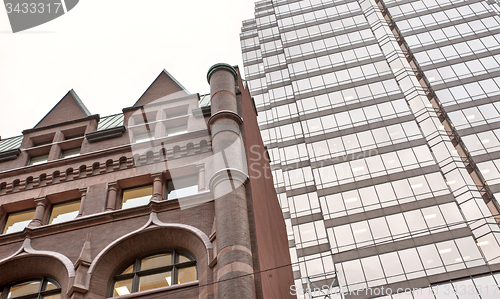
227, 183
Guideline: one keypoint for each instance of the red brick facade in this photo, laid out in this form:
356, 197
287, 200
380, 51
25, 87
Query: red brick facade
232, 226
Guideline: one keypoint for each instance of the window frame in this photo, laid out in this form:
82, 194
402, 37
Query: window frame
41, 290
138, 137
169, 182
136, 273
71, 201
120, 207
31, 163
4, 224
67, 153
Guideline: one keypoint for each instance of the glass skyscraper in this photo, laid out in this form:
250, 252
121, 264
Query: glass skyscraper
382, 122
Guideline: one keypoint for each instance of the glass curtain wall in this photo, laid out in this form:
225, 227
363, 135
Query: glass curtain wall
369, 180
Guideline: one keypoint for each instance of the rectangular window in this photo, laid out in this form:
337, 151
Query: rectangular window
182, 186
16, 222
64, 212
177, 130
73, 152
176, 113
144, 136
135, 197
38, 159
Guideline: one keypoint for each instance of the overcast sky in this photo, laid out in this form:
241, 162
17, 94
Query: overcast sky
110, 51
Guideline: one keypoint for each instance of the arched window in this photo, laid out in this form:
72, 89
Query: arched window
154, 271
40, 287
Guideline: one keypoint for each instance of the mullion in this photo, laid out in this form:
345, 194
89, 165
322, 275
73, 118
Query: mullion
135, 279
155, 270
50, 292
175, 259
137, 273
32, 295
186, 264
39, 294
124, 276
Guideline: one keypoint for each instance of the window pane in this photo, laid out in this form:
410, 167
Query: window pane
372, 268
172, 131
187, 274
379, 228
145, 136
70, 153
353, 272
16, 222
391, 264
156, 261
136, 196
123, 287
24, 288
182, 186
183, 259
411, 261
430, 257
155, 281
485, 286
129, 269
50, 286
39, 159
57, 296
64, 212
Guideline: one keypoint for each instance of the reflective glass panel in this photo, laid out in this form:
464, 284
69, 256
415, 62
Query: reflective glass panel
186, 274
129, 269
50, 286
16, 222
39, 160
145, 136
172, 131
136, 196
156, 261
24, 288
123, 287
155, 281
70, 153
64, 212
183, 258
182, 186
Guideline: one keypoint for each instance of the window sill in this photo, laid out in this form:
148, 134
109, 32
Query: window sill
159, 290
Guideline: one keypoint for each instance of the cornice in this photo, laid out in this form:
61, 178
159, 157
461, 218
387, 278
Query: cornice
94, 168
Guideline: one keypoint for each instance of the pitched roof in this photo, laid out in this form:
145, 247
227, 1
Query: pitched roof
111, 121
164, 85
205, 100
70, 107
10, 143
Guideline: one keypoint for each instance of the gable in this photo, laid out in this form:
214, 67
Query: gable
70, 107
162, 86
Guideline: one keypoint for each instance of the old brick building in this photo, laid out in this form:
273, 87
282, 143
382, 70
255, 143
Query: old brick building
173, 198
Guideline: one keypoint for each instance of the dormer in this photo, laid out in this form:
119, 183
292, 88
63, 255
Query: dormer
58, 135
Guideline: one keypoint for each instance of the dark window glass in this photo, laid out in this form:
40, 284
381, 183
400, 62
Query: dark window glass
154, 271
40, 287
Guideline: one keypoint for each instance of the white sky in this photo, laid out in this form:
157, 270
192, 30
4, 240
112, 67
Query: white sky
110, 51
